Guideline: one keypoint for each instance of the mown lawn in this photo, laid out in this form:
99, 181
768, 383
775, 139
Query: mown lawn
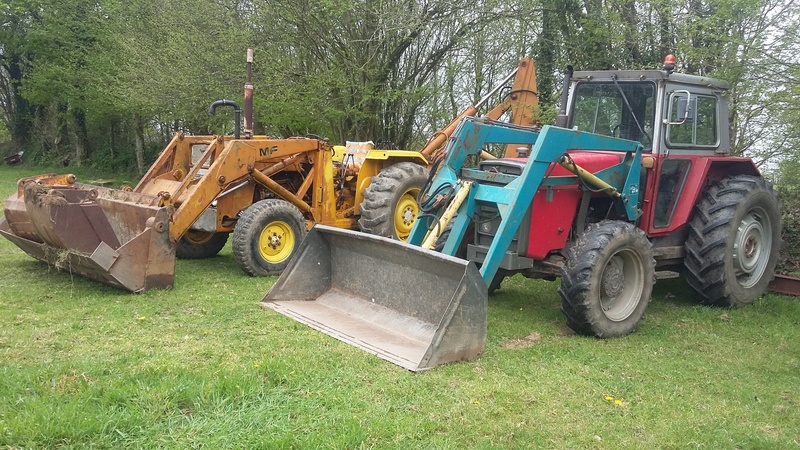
203, 366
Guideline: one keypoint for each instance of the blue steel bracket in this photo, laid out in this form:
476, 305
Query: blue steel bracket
631, 169
513, 199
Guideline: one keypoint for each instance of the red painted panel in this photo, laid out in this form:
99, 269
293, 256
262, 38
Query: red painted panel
703, 171
551, 221
592, 161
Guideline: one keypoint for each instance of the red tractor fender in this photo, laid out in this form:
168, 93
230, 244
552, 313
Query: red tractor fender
703, 172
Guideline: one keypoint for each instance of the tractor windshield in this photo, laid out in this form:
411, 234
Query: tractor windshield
600, 107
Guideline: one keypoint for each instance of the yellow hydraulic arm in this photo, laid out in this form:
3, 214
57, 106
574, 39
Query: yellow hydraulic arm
522, 100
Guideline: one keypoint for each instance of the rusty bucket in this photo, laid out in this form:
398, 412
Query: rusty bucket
117, 237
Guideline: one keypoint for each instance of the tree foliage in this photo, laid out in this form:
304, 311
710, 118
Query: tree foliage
107, 82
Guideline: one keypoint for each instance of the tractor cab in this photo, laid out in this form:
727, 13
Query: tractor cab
618, 107
666, 112
681, 122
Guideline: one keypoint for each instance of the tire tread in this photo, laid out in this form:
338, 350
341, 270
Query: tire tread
243, 234
709, 229
377, 215
583, 258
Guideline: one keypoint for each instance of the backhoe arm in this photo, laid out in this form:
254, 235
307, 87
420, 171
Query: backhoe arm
522, 100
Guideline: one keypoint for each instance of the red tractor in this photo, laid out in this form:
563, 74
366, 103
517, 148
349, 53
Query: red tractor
635, 182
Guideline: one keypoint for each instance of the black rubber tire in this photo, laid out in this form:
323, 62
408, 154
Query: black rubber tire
390, 201
200, 244
738, 212
266, 237
497, 280
608, 278
461, 251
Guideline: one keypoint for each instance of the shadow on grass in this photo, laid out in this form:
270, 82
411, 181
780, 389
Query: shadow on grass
522, 305
674, 291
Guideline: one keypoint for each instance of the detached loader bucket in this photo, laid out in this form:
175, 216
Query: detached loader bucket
416, 308
117, 237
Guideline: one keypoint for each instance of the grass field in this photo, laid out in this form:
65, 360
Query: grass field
203, 366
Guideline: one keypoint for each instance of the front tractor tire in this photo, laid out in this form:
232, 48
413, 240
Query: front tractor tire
733, 243
266, 237
608, 279
200, 244
390, 201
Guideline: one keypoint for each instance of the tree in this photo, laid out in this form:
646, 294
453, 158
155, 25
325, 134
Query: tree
749, 45
17, 17
109, 81
365, 68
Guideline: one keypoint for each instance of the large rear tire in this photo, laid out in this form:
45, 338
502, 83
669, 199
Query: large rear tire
200, 244
390, 201
734, 240
608, 279
266, 237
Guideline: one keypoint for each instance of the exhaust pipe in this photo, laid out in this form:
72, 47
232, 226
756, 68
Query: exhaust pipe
562, 120
236, 110
248, 104
248, 97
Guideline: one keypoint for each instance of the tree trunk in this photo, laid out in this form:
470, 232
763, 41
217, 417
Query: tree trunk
666, 38
546, 57
82, 149
139, 132
18, 110
631, 23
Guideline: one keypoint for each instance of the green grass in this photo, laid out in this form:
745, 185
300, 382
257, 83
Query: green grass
203, 366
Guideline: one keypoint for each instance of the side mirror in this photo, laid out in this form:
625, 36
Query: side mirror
685, 108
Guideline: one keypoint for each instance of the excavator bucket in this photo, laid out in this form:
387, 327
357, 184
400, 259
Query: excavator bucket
416, 308
117, 237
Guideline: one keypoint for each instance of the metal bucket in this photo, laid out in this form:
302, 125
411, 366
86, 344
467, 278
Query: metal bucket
117, 237
416, 308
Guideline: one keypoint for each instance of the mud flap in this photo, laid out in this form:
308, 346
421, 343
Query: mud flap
416, 308
116, 237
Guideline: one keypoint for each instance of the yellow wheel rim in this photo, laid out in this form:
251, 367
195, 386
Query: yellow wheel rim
276, 242
198, 237
406, 214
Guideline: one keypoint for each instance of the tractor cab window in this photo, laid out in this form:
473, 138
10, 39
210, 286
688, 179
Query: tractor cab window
600, 108
692, 122
672, 178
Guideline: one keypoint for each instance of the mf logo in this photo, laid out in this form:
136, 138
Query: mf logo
266, 151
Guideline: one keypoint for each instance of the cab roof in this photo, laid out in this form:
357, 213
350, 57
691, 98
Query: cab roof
654, 75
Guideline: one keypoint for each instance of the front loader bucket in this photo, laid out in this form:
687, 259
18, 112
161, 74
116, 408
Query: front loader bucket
416, 308
117, 237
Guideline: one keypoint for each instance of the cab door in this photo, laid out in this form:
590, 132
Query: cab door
690, 131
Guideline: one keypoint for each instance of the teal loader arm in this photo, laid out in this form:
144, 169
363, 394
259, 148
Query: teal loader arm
510, 194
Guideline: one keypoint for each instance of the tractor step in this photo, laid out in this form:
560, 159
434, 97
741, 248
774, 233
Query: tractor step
667, 274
